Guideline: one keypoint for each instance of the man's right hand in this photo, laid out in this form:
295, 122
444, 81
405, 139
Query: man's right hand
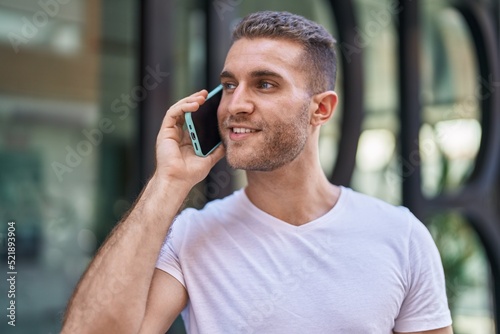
175, 157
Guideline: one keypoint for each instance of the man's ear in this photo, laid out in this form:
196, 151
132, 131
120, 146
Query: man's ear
325, 104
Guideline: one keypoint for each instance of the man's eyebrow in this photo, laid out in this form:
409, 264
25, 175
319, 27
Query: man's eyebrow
253, 74
227, 75
265, 73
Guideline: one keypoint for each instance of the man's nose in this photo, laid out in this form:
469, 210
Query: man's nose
240, 101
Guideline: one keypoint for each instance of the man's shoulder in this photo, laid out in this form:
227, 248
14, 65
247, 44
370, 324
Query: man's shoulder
361, 199
217, 208
376, 209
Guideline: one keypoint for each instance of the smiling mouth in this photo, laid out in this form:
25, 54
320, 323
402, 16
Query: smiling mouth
243, 130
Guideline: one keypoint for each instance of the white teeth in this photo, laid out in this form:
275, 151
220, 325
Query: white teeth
242, 130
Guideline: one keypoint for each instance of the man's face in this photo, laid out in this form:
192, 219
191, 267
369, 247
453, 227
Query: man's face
264, 112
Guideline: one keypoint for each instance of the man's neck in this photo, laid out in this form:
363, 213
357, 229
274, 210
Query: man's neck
293, 194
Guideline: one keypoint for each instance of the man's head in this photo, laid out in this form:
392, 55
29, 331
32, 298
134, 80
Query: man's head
278, 90
319, 59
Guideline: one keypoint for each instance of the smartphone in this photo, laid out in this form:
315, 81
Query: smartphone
203, 126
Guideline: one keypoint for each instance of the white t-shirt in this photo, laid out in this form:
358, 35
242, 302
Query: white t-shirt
364, 267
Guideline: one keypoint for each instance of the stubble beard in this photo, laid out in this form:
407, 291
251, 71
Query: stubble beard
281, 144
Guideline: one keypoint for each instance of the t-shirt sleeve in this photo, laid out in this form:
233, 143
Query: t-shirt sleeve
168, 259
425, 306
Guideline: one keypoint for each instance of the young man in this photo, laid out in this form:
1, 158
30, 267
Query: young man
289, 253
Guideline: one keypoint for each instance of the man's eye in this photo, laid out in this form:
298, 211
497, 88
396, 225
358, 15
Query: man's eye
266, 85
228, 85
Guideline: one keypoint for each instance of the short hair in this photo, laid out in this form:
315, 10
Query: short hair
318, 44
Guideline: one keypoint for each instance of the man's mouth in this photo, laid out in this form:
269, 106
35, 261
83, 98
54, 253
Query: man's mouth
243, 130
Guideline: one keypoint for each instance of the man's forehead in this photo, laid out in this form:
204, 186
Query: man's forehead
259, 55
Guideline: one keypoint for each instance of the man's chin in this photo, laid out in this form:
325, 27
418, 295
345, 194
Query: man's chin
251, 164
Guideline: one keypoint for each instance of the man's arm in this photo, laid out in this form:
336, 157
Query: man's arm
167, 298
111, 297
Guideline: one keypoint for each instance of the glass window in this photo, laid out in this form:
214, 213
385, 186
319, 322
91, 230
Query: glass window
449, 143
66, 171
377, 166
451, 130
468, 273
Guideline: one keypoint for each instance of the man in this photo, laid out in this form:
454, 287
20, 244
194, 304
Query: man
290, 252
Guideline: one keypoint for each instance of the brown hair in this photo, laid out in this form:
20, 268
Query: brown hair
319, 55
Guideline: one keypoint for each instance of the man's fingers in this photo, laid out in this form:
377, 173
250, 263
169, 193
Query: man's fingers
186, 141
187, 104
217, 154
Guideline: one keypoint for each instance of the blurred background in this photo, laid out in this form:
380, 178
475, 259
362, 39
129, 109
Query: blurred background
84, 86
